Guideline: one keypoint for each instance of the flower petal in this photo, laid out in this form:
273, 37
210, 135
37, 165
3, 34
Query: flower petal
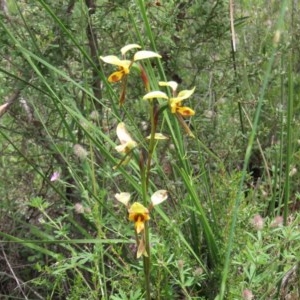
129, 47
138, 214
172, 84
139, 226
138, 208
111, 59
143, 54
123, 198
174, 104
116, 76
123, 134
185, 94
155, 94
158, 136
121, 148
159, 197
141, 249
114, 60
185, 111
55, 176
126, 148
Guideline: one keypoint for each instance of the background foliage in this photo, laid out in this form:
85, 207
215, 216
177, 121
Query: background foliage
69, 239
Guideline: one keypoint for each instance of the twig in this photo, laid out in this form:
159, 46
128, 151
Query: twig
233, 53
28, 287
92, 38
4, 107
13, 274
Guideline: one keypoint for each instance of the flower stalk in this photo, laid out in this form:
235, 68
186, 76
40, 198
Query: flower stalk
139, 212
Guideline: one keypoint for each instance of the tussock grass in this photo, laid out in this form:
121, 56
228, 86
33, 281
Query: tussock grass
229, 228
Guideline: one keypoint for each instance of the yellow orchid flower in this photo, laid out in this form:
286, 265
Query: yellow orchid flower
127, 142
175, 102
125, 65
138, 214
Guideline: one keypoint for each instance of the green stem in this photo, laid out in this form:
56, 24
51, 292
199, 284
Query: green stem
153, 122
288, 159
145, 184
146, 263
288, 142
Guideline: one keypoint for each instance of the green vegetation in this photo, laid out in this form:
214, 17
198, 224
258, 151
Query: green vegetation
219, 153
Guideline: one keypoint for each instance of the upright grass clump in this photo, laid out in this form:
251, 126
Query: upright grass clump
267, 75
54, 231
